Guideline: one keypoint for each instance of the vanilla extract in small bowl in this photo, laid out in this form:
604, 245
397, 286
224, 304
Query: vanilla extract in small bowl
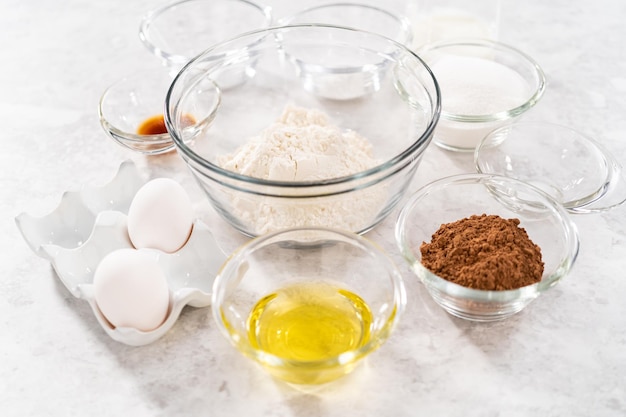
155, 125
131, 112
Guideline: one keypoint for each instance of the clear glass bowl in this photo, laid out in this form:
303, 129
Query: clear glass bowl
312, 258
495, 85
179, 31
139, 97
397, 115
344, 73
358, 16
453, 198
570, 166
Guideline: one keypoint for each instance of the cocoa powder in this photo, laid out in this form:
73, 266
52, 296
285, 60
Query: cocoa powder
484, 252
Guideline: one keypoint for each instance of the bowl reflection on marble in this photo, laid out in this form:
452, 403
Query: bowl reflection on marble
397, 118
454, 198
485, 85
308, 304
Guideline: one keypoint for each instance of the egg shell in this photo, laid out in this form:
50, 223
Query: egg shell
160, 216
131, 290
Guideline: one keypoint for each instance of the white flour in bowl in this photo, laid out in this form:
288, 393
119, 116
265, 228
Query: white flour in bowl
302, 145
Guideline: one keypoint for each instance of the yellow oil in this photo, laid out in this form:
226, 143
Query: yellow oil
308, 323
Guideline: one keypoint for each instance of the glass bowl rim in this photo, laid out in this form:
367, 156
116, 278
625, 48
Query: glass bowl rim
125, 137
355, 240
500, 46
607, 158
404, 23
159, 143
173, 58
390, 164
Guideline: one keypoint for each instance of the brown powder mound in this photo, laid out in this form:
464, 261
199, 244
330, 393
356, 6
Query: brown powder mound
484, 252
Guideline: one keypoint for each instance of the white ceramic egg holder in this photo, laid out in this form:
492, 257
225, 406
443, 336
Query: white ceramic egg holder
91, 223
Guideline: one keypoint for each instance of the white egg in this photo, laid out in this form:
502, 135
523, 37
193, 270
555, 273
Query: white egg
131, 290
160, 216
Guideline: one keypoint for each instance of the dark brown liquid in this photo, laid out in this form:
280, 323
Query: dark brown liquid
155, 125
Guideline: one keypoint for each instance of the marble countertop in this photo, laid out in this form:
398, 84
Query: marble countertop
565, 355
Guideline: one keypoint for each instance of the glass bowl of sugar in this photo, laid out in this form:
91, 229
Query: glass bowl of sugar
484, 85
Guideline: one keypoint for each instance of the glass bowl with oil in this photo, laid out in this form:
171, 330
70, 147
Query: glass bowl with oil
308, 304
131, 111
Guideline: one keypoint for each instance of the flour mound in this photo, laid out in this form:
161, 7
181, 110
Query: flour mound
301, 146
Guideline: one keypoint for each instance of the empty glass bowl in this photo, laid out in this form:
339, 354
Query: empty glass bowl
396, 115
345, 73
454, 198
484, 85
181, 30
358, 16
570, 166
308, 304
136, 102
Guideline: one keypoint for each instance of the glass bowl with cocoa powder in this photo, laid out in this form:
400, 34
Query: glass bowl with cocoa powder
485, 246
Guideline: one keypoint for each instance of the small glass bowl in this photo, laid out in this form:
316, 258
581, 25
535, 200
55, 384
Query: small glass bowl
570, 166
453, 198
496, 66
358, 16
179, 31
140, 97
309, 259
342, 72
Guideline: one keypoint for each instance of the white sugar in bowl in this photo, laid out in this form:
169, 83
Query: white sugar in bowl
484, 85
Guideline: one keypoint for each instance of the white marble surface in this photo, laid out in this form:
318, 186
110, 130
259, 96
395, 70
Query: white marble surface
563, 356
